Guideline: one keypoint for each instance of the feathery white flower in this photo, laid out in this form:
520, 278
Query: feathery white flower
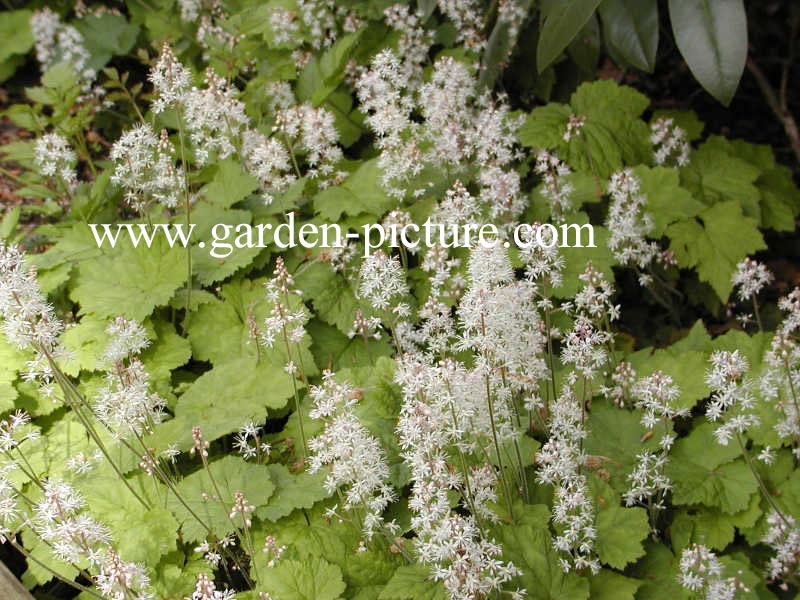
120, 580
357, 462
56, 158
781, 381
381, 280
560, 462
670, 147
701, 571
627, 222
783, 536
555, 190
267, 160
214, 118
750, 278
125, 404
28, 320
59, 518
732, 399
655, 396
205, 589
170, 78
58, 42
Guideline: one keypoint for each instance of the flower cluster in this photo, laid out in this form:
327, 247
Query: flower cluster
702, 572
58, 42
125, 403
670, 147
144, 165
357, 462
628, 223
56, 158
29, 321
656, 396
555, 189
783, 536
781, 381
561, 462
732, 401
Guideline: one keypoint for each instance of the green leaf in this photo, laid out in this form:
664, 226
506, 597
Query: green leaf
575, 258
43, 563
330, 293
748, 172
615, 437
301, 490
106, 35
220, 330
714, 242
607, 100
685, 119
612, 135
12, 361
312, 579
498, 48
631, 28
609, 585
545, 126
229, 185
413, 582
129, 281
705, 472
175, 574
361, 193
717, 173
529, 546
140, 535
659, 572
231, 474
667, 201
561, 22
323, 74
333, 348
620, 531
222, 400
709, 526
219, 227
584, 49
168, 351
15, 31
681, 365
712, 37
86, 342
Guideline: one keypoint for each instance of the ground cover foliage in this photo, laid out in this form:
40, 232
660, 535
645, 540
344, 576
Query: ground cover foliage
439, 422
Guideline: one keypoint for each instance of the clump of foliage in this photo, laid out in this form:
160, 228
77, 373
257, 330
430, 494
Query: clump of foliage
436, 422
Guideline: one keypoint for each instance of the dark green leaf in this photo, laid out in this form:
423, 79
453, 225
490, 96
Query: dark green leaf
712, 37
561, 22
631, 28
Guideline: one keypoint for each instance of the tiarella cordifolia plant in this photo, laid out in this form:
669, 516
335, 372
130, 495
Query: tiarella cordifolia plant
530, 414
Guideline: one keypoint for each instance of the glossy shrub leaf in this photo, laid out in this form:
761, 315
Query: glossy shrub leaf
712, 37
561, 21
631, 28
